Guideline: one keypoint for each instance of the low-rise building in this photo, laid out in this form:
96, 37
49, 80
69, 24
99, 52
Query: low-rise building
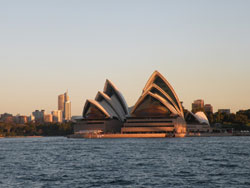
7, 118
224, 111
31, 118
21, 119
208, 108
57, 116
48, 118
198, 105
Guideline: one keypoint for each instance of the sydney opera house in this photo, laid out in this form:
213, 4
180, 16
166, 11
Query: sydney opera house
157, 111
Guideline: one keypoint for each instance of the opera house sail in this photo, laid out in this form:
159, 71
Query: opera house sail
158, 81
158, 110
106, 113
197, 122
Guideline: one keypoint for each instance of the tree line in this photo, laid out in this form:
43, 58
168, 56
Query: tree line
239, 120
36, 129
223, 118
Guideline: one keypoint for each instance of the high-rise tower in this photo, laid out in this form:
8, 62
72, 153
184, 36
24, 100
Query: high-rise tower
67, 111
61, 100
66, 96
64, 105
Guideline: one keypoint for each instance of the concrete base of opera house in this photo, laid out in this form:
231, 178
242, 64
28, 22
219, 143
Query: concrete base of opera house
152, 135
169, 126
131, 128
100, 125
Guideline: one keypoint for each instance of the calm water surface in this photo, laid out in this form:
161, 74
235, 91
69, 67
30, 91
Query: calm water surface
174, 162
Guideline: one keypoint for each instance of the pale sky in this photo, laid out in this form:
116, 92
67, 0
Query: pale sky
49, 46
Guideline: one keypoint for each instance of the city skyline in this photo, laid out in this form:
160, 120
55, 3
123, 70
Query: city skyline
201, 48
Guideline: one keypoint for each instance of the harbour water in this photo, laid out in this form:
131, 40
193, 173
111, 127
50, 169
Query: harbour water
160, 162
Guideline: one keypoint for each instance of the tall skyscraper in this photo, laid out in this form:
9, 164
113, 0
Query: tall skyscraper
64, 105
66, 96
61, 100
67, 111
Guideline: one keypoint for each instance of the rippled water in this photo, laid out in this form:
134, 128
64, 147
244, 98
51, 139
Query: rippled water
164, 162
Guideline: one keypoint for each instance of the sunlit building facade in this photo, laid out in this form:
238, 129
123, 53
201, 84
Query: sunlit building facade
208, 108
39, 116
57, 116
198, 105
48, 118
67, 111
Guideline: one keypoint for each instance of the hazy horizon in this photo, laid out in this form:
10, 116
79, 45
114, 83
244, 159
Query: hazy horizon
201, 47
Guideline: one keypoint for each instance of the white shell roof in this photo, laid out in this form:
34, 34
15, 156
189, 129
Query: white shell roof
119, 95
112, 107
97, 104
201, 117
111, 102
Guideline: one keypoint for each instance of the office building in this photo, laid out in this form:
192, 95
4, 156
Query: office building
208, 108
224, 111
31, 118
61, 100
57, 116
67, 111
48, 118
21, 119
198, 105
39, 115
64, 105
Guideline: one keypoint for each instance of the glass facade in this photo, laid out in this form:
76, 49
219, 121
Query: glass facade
158, 81
156, 91
151, 107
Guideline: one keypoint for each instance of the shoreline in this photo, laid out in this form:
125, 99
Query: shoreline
21, 136
159, 135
